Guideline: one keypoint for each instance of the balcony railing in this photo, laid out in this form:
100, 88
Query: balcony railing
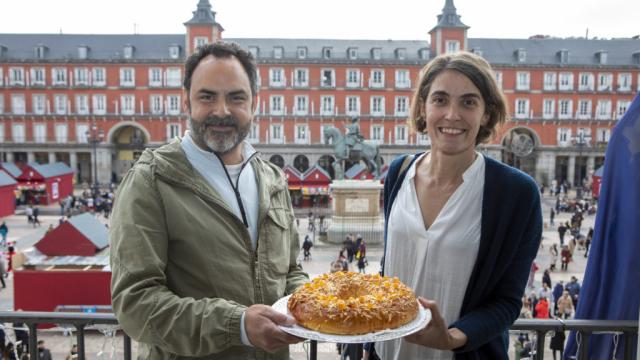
585, 328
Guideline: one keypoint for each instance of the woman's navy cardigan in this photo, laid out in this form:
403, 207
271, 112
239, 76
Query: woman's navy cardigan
510, 235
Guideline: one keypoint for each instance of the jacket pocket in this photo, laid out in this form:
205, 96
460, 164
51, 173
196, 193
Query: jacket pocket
278, 240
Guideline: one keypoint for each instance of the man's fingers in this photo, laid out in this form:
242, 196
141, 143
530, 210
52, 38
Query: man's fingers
278, 318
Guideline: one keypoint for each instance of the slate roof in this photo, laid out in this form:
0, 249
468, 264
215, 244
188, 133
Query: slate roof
50, 170
11, 168
92, 229
6, 179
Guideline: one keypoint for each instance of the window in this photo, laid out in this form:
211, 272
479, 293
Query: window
377, 133
565, 108
423, 54
83, 52
624, 82
522, 80
402, 79
37, 77
452, 46
127, 77
254, 134
402, 105
200, 41
563, 56
302, 52
622, 107
82, 131
327, 52
423, 139
155, 104
276, 105
40, 51
174, 51
521, 55
549, 81
127, 52
173, 131
81, 76
602, 57
326, 105
564, 136
301, 106
278, 52
548, 108
302, 134
99, 76
16, 76
522, 108
82, 104
583, 137
401, 134
376, 53
353, 78
62, 133
603, 135
1, 104
401, 53
377, 78
155, 77
584, 109
2, 133
60, 104
603, 110
301, 78
604, 81
99, 104
173, 104
352, 53
39, 104
275, 134
328, 78
498, 75
254, 50
127, 104
17, 104
377, 105
59, 76
39, 132
18, 133
174, 77
353, 105
276, 77
565, 81
1, 71
586, 82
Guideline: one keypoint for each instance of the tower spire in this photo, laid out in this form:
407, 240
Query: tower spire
449, 17
450, 34
203, 14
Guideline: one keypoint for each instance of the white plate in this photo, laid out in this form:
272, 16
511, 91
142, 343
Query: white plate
423, 318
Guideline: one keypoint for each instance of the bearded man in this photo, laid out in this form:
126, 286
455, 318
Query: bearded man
203, 236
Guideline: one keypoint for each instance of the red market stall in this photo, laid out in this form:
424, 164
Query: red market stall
315, 187
81, 235
7, 194
294, 181
45, 184
596, 182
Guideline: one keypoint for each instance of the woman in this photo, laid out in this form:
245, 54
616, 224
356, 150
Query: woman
565, 305
553, 252
542, 308
566, 257
546, 278
462, 229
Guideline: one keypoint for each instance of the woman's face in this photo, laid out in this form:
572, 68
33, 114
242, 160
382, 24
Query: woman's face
454, 110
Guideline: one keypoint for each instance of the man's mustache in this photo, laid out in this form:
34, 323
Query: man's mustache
219, 121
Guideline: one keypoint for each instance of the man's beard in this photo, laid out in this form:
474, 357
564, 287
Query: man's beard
220, 142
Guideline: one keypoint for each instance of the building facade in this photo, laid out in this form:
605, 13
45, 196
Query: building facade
96, 101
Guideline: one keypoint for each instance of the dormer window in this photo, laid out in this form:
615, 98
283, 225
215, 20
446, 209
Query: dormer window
563, 56
174, 51
302, 52
376, 53
635, 56
40, 51
401, 53
327, 52
3, 50
352, 53
83, 52
521, 55
254, 50
278, 52
602, 56
423, 54
128, 51
477, 51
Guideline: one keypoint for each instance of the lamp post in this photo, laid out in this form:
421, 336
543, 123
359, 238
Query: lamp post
582, 140
95, 136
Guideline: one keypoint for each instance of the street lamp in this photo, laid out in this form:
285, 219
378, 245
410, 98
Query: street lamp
582, 140
94, 137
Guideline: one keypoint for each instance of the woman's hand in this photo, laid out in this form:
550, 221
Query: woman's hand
435, 334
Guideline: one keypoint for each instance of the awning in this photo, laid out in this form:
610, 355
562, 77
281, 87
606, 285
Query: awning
315, 190
35, 185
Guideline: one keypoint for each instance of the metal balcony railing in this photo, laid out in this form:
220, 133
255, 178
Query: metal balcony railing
585, 328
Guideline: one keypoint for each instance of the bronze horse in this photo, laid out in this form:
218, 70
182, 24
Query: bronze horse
366, 151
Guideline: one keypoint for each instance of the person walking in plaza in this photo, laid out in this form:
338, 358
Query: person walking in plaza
552, 216
306, 247
565, 255
36, 213
553, 257
43, 352
557, 293
542, 308
587, 242
4, 231
562, 229
557, 344
29, 212
203, 236
565, 305
3, 270
461, 229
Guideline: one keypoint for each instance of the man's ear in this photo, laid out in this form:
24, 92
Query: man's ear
186, 105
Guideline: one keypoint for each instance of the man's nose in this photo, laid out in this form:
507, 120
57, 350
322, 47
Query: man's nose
221, 108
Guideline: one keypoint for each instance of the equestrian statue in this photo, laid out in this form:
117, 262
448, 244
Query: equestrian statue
354, 148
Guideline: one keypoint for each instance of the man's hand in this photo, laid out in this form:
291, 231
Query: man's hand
436, 335
261, 324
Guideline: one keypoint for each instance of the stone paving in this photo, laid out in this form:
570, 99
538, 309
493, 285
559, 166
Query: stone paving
99, 347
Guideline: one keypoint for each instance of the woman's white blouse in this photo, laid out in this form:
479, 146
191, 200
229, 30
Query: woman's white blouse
436, 262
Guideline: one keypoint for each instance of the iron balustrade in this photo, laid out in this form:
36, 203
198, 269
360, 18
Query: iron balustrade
585, 328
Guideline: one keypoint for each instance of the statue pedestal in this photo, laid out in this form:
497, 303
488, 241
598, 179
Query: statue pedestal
356, 210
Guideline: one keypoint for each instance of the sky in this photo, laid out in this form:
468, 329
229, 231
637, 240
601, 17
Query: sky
327, 19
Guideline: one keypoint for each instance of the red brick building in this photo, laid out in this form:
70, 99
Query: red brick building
60, 95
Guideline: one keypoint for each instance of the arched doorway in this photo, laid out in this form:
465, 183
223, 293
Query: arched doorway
326, 162
518, 150
301, 163
277, 160
129, 141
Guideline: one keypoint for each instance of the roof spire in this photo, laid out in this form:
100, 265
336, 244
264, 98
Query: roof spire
449, 16
203, 14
